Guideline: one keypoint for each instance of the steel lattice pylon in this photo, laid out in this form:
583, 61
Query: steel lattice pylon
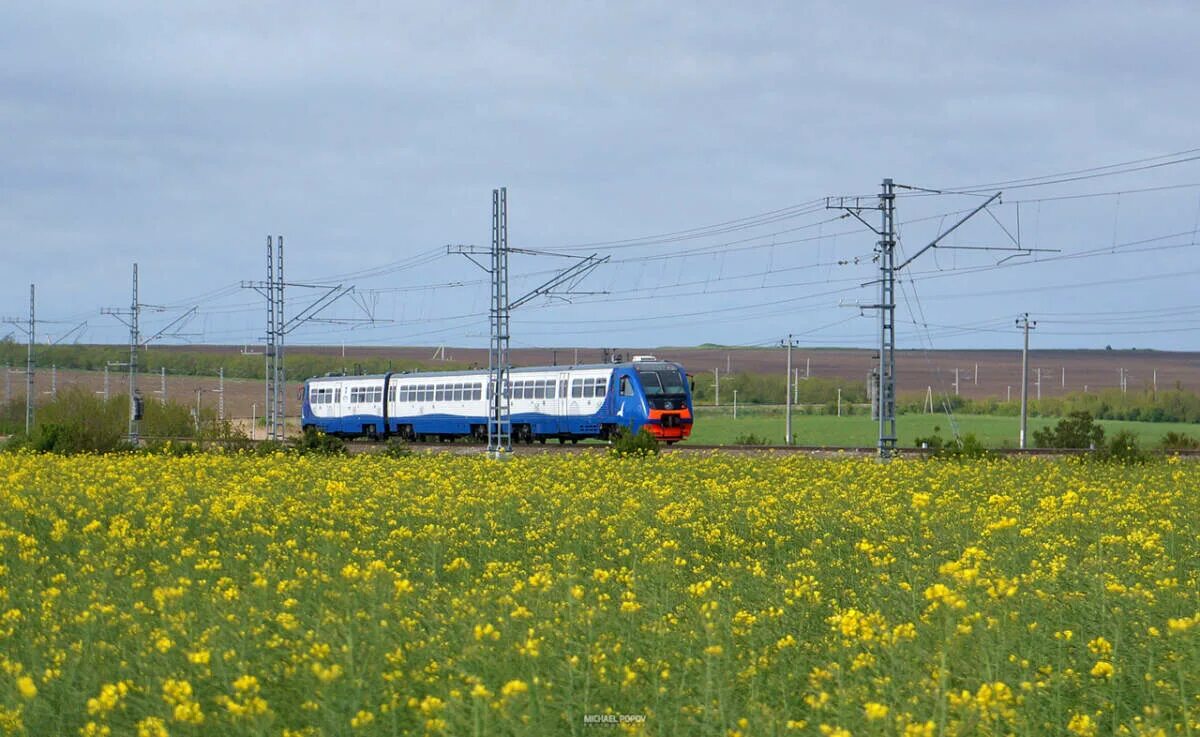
499, 423
499, 419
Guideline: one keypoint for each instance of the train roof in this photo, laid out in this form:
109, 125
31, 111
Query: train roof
515, 370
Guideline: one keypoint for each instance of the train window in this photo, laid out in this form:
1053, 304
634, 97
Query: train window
550, 388
458, 392
626, 387
337, 395
576, 388
439, 394
539, 391
601, 386
477, 391
391, 393
428, 393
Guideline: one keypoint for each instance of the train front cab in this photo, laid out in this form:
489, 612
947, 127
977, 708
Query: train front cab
655, 395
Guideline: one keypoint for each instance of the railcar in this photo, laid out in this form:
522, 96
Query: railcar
549, 402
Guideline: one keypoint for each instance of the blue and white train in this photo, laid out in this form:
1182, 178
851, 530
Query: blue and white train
563, 402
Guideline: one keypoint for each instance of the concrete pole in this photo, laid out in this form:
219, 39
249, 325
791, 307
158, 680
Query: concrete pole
787, 436
1024, 323
717, 387
735, 404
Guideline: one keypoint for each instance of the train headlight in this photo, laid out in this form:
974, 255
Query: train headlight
668, 404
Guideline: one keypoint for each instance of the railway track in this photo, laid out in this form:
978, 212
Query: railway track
520, 449
357, 447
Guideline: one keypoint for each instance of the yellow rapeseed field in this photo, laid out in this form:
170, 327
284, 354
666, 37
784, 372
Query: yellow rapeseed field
682, 595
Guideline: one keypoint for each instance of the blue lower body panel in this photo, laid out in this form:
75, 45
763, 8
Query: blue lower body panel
540, 425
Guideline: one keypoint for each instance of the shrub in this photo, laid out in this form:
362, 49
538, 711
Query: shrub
396, 448
1077, 430
934, 441
1179, 441
641, 443
175, 449
1123, 448
79, 422
316, 442
750, 439
965, 447
268, 448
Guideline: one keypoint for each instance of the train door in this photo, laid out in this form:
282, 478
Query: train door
627, 403
562, 404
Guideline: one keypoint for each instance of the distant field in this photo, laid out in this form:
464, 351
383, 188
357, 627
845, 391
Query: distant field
717, 427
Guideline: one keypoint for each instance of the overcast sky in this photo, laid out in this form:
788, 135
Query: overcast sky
178, 135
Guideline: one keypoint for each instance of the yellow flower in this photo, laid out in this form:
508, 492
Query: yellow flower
246, 684
26, 687
874, 711
362, 719
513, 688
1082, 725
1100, 646
928, 729
152, 727
1102, 669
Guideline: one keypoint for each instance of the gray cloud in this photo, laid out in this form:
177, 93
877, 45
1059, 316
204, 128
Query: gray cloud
179, 135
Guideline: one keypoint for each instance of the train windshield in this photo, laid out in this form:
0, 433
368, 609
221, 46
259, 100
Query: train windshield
661, 381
